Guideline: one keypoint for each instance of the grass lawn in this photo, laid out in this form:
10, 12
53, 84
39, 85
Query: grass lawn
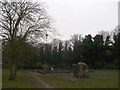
0, 78
23, 80
98, 79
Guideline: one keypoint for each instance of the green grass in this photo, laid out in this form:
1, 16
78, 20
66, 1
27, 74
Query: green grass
103, 79
98, 79
23, 80
0, 78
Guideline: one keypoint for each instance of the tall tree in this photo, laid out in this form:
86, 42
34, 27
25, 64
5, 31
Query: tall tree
116, 45
76, 40
21, 21
87, 49
60, 52
54, 56
106, 36
98, 50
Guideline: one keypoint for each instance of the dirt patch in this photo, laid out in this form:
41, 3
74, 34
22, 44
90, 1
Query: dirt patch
37, 77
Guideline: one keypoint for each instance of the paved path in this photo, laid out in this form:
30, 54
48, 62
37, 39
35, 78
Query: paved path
37, 77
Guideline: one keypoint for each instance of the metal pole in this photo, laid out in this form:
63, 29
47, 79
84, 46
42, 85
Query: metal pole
46, 51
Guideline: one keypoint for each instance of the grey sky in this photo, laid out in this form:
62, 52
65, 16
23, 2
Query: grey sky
83, 16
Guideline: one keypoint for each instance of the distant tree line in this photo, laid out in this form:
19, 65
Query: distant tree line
100, 51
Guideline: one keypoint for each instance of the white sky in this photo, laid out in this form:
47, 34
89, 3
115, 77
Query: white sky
82, 16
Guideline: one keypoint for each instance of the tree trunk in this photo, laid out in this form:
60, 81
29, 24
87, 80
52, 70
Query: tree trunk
13, 71
11, 77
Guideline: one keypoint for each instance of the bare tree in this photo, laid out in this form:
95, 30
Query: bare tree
22, 21
76, 39
106, 37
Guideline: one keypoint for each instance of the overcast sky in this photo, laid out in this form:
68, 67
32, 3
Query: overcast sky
83, 16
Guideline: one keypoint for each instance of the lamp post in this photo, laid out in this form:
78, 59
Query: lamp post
46, 35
